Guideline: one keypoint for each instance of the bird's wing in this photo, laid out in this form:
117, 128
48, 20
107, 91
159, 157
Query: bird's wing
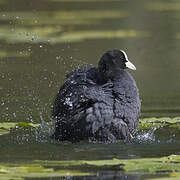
77, 94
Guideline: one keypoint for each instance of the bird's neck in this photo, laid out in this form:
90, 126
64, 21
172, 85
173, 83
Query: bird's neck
104, 77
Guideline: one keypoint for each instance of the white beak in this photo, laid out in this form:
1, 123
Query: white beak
130, 65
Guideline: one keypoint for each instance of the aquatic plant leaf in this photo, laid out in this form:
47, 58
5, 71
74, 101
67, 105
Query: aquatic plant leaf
23, 124
172, 176
169, 165
150, 165
19, 172
8, 125
5, 127
144, 124
149, 123
9, 177
3, 131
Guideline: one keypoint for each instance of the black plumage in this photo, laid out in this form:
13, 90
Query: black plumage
99, 104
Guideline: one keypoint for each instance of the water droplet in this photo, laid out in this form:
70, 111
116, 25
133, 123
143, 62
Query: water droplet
14, 114
68, 102
33, 38
58, 57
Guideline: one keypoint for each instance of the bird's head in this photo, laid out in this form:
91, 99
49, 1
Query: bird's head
113, 61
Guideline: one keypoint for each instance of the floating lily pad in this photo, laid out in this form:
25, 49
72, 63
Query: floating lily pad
169, 165
6, 127
149, 123
3, 131
144, 165
172, 176
144, 124
20, 172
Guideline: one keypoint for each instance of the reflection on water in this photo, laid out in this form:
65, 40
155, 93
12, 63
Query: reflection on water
40, 41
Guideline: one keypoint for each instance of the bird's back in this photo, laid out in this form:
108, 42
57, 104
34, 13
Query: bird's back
70, 98
85, 109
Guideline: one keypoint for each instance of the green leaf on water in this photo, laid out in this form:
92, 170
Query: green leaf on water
172, 176
149, 123
144, 124
169, 165
3, 131
150, 165
20, 172
6, 127
23, 124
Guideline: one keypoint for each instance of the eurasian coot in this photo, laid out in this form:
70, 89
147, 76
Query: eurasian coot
98, 104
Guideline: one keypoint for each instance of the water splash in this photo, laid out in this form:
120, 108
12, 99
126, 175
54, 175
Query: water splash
146, 136
44, 131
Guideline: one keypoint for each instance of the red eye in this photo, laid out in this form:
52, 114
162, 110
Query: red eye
121, 57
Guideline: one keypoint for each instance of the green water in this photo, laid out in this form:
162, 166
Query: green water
41, 41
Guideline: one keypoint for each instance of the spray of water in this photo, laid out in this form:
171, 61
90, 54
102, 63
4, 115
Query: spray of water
146, 136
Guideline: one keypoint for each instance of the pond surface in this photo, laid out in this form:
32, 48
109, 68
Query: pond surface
41, 41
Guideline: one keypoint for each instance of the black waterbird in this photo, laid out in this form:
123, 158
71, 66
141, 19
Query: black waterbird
98, 104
